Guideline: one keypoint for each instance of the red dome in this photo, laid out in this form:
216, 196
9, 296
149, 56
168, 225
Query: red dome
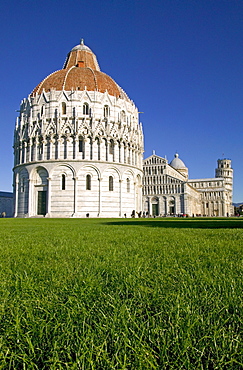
80, 72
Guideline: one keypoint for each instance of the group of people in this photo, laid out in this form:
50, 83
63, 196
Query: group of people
140, 214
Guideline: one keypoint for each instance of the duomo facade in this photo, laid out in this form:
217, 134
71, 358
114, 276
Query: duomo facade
78, 152
167, 190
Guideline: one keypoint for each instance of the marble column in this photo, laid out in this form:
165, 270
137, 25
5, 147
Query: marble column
102, 150
115, 152
48, 214
86, 150
76, 147
51, 142
25, 152
36, 149
120, 196
16, 196
100, 198
30, 200
75, 196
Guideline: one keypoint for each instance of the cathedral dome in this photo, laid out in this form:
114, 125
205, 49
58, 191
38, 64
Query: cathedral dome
81, 71
177, 163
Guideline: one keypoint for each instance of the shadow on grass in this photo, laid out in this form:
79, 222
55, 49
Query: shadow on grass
182, 223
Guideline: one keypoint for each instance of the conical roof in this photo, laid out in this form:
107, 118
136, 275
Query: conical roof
81, 71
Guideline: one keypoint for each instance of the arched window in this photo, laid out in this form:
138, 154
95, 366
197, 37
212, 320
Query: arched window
80, 145
86, 109
22, 184
88, 182
91, 148
63, 183
128, 185
64, 108
98, 147
123, 116
106, 111
112, 149
111, 183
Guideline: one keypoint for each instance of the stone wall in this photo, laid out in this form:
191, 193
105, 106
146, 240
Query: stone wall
6, 203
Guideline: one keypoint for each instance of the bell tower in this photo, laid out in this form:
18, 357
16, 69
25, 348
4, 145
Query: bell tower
225, 171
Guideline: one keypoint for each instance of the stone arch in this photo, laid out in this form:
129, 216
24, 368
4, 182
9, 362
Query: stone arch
65, 165
113, 168
38, 197
146, 206
171, 204
39, 175
139, 179
22, 192
155, 206
85, 108
88, 166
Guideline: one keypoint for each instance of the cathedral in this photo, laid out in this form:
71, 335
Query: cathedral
167, 190
78, 152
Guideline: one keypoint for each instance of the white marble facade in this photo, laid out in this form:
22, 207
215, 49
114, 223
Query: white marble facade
167, 190
78, 152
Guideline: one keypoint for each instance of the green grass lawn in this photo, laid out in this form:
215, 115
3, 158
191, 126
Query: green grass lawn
121, 294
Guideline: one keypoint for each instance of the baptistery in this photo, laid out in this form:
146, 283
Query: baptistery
78, 145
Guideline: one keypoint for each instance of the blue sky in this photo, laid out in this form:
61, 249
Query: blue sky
179, 61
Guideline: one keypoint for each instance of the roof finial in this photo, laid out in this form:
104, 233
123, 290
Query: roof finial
82, 42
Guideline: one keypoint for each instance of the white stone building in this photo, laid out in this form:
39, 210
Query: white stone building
78, 145
78, 152
167, 190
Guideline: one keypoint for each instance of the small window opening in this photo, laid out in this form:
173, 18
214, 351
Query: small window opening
80, 146
86, 109
64, 108
128, 185
88, 182
63, 182
111, 183
106, 111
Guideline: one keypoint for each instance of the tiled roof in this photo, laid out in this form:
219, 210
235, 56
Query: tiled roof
80, 72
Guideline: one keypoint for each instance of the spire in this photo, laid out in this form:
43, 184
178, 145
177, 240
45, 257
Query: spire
81, 56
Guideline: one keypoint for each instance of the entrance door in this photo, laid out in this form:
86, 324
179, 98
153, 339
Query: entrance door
172, 210
41, 206
155, 209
